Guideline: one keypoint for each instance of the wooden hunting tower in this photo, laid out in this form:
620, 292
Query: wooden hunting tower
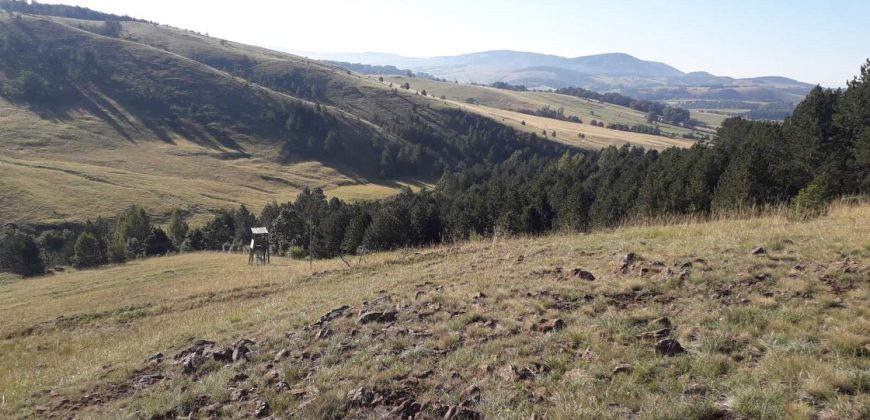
259, 246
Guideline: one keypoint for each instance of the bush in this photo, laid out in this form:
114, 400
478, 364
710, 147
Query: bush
57, 246
19, 254
297, 252
810, 203
87, 252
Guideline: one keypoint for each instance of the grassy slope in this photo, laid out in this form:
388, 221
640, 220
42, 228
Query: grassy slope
54, 188
764, 339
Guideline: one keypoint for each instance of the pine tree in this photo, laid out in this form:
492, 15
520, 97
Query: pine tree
87, 252
177, 228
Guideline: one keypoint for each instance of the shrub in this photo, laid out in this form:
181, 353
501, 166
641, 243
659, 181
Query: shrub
297, 252
809, 203
57, 246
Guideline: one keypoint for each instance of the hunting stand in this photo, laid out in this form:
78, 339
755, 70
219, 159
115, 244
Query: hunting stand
259, 246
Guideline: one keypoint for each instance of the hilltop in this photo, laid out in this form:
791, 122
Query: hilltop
766, 317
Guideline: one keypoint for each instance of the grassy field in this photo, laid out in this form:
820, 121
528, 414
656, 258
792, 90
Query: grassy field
783, 333
51, 187
568, 132
84, 164
709, 117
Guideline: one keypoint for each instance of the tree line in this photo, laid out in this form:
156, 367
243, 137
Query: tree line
818, 154
555, 113
27, 251
374, 69
821, 152
656, 111
75, 12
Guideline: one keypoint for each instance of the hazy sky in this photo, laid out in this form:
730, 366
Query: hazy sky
823, 41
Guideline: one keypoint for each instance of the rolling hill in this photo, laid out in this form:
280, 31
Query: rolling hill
514, 108
101, 114
94, 121
679, 321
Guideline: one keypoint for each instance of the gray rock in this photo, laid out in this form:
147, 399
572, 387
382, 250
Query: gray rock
669, 347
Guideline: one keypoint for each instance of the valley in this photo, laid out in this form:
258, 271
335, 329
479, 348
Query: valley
196, 227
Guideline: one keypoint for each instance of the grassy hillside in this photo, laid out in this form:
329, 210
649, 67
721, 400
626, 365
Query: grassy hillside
492, 327
170, 118
165, 117
53, 188
502, 103
96, 150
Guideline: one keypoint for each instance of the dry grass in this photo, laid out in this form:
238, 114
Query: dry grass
764, 340
54, 187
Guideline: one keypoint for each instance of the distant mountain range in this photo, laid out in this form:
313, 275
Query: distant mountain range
615, 72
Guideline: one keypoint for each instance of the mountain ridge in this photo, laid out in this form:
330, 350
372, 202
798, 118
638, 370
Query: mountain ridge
380, 58
608, 72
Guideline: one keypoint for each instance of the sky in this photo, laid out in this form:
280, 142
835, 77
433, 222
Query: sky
822, 42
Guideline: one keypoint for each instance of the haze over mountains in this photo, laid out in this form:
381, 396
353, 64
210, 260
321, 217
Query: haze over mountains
603, 72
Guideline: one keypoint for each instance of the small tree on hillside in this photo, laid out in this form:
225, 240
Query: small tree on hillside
177, 228
133, 223
116, 252
111, 29
87, 252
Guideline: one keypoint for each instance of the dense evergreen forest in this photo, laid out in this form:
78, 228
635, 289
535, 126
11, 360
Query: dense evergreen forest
74, 12
820, 153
